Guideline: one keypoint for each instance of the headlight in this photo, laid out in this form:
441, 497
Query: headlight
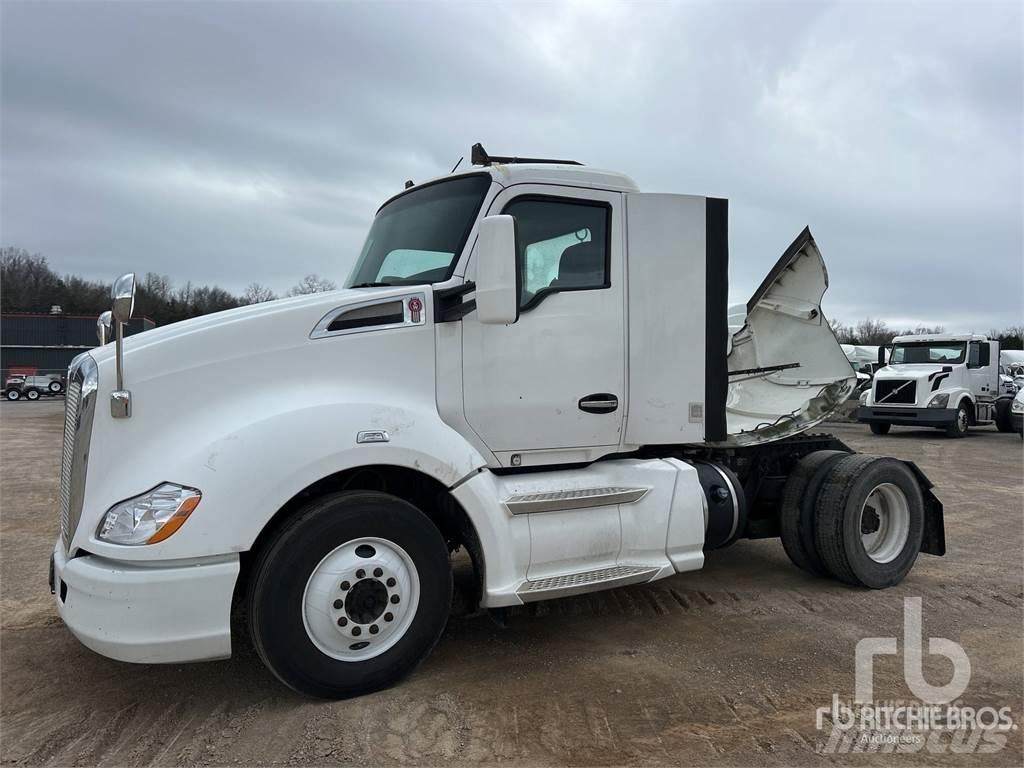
939, 401
151, 517
864, 396
1017, 406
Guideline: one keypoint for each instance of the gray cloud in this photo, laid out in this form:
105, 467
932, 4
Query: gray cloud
235, 142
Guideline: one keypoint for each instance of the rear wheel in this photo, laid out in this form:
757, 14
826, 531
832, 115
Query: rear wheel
959, 426
880, 427
55, 387
870, 521
32, 394
797, 514
350, 595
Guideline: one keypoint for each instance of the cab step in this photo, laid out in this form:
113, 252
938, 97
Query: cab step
584, 581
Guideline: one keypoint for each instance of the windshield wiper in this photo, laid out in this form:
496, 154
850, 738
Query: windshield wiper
372, 285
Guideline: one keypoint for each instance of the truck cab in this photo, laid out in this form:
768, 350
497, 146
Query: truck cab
949, 382
531, 361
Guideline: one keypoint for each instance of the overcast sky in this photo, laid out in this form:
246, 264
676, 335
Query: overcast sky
227, 143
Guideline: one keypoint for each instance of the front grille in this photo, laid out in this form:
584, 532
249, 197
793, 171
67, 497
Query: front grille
71, 402
895, 391
79, 408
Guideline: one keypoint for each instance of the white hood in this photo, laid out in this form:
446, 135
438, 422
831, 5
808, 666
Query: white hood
787, 372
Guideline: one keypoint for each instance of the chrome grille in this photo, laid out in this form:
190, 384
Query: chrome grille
71, 402
79, 408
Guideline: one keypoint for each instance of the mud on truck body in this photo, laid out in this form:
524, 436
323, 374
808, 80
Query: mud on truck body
530, 361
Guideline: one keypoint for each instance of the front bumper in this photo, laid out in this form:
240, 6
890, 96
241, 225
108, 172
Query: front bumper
151, 614
907, 417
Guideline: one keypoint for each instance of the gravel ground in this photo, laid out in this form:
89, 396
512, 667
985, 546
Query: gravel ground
725, 666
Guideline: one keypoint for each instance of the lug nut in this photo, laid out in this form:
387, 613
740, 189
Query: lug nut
357, 631
360, 573
395, 599
339, 604
344, 586
378, 572
391, 582
343, 621
373, 629
388, 616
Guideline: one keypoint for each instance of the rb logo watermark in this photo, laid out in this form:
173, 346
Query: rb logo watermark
934, 721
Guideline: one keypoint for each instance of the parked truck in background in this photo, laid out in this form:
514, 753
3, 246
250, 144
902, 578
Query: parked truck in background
531, 361
947, 381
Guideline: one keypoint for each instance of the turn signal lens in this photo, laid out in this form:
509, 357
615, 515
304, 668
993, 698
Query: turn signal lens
151, 517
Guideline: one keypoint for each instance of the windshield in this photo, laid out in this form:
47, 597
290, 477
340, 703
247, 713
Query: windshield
417, 236
929, 352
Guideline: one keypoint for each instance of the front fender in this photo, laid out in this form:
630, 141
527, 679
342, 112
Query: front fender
250, 468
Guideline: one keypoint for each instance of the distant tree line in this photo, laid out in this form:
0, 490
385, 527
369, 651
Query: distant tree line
872, 333
29, 284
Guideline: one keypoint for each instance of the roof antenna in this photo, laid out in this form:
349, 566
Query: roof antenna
457, 164
408, 183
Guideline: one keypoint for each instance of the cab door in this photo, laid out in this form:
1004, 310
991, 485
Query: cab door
554, 381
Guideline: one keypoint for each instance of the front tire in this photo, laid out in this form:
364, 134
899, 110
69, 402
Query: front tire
13, 394
880, 427
350, 595
870, 521
1004, 420
960, 423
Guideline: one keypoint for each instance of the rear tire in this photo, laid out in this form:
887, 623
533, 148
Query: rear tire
350, 595
959, 426
32, 394
1004, 422
797, 521
55, 387
880, 427
870, 521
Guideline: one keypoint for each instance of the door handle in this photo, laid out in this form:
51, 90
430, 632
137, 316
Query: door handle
600, 402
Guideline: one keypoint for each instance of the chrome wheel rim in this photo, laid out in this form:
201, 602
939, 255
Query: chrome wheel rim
360, 599
885, 523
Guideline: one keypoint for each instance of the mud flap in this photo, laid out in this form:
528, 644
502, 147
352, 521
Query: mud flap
934, 540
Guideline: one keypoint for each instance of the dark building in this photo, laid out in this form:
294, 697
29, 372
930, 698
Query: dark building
33, 344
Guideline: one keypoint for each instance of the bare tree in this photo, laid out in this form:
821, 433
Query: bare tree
312, 284
873, 332
255, 293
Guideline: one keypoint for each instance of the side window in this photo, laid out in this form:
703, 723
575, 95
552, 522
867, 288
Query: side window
563, 245
974, 355
986, 355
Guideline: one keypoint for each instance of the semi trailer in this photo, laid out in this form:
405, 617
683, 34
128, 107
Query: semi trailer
532, 362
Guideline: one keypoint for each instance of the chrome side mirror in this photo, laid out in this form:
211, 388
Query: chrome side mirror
123, 296
104, 327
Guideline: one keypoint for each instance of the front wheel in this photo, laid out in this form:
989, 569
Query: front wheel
880, 427
13, 394
959, 426
350, 595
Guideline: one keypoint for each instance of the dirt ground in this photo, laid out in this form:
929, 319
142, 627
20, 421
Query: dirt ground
725, 666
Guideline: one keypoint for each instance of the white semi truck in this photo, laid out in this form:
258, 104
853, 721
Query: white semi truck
530, 361
949, 382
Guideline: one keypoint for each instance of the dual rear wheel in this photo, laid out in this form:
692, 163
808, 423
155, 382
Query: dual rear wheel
856, 518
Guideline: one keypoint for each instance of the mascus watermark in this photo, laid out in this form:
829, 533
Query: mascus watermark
936, 721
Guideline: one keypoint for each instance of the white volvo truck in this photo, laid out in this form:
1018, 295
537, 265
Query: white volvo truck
531, 361
949, 382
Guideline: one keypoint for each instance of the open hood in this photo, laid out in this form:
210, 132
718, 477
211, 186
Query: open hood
787, 372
